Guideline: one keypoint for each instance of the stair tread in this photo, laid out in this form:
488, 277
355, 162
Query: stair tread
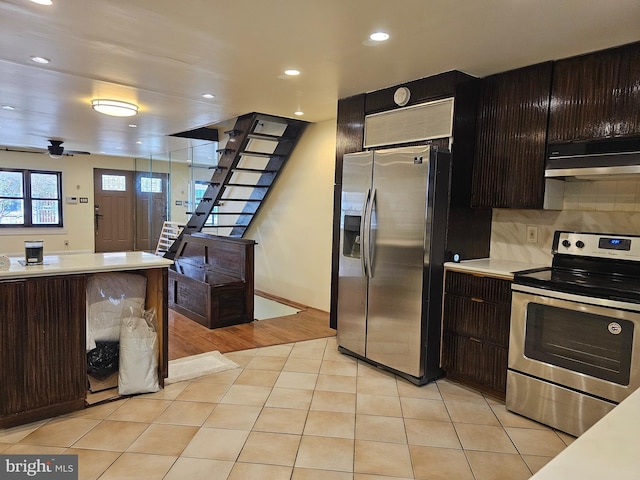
265, 136
234, 213
255, 170
260, 154
250, 185
241, 199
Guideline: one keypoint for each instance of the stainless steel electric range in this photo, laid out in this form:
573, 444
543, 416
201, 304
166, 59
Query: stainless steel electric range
574, 352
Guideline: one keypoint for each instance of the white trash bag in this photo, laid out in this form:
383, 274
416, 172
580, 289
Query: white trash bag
108, 295
138, 366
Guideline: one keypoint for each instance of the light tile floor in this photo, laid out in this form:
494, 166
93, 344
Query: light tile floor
299, 411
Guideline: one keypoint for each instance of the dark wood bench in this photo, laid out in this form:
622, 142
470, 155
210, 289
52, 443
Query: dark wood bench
211, 281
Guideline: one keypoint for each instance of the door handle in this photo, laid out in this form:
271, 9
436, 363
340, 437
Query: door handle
370, 251
97, 220
363, 235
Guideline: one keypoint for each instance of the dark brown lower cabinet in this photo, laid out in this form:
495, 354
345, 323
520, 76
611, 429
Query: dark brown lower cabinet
475, 341
42, 354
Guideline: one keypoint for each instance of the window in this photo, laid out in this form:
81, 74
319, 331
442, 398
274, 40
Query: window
114, 183
150, 185
30, 198
200, 189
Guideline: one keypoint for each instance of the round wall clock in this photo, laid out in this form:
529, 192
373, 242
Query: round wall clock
401, 96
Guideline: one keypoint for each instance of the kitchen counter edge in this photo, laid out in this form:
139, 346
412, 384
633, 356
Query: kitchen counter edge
490, 267
609, 449
84, 263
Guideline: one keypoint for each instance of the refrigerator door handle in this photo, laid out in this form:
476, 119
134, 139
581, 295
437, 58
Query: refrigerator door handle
363, 235
370, 247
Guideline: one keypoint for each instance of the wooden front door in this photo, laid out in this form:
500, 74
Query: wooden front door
151, 208
114, 215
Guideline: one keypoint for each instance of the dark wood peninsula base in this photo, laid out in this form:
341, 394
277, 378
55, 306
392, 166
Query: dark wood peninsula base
43, 362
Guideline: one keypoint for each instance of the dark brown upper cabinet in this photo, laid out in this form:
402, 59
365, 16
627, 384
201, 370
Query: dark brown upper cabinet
596, 96
511, 138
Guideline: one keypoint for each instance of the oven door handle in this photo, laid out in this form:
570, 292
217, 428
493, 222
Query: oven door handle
570, 297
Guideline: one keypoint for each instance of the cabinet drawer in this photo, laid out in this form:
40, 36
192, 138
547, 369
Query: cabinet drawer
477, 319
488, 289
481, 364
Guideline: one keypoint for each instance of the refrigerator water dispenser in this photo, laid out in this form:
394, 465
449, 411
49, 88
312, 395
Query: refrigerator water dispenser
351, 240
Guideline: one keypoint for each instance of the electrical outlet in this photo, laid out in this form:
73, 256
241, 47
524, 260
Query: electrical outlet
532, 234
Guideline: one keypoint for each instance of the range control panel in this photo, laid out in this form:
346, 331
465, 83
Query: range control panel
601, 245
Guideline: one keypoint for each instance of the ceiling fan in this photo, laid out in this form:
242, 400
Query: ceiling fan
54, 150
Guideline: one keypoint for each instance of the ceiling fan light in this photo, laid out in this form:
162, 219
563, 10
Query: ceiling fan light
115, 108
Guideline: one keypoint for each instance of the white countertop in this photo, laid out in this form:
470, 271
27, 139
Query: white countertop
609, 449
84, 263
491, 267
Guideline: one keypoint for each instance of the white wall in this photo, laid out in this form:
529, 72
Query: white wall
77, 181
293, 229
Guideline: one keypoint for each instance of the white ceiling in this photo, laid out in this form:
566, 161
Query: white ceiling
163, 54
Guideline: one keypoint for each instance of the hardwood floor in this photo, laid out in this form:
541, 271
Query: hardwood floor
187, 337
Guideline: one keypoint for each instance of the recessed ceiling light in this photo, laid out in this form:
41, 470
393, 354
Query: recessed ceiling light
379, 36
298, 113
133, 125
8, 107
292, 72
115, 108
38, 59
208, 96
139, 142
43, 2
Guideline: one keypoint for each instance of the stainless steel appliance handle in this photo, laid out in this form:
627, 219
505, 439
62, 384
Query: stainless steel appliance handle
369, 252
363, 236
602, 302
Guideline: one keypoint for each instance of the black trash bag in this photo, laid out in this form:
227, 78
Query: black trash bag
103, 360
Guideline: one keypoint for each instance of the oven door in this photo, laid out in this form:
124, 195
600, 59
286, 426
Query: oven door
582, 343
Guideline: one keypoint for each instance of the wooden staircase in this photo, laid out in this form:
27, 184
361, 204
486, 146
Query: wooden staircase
258, 147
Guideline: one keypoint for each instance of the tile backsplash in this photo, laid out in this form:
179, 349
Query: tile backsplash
509, 227
602, 196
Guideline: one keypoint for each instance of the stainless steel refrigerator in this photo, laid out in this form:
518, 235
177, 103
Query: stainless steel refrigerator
393, 230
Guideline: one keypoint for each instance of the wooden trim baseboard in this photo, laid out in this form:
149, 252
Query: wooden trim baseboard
285, 301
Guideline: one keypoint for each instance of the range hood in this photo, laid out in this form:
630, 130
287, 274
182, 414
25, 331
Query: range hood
594, 160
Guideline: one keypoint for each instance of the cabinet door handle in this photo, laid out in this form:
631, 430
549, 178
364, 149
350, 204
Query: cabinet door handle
477, 300
473, 339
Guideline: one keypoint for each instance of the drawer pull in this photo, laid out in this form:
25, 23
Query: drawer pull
473, 339
477, 300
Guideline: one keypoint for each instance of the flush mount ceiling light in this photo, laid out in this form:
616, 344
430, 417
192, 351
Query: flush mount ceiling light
292, 72
379, 36
115, 108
